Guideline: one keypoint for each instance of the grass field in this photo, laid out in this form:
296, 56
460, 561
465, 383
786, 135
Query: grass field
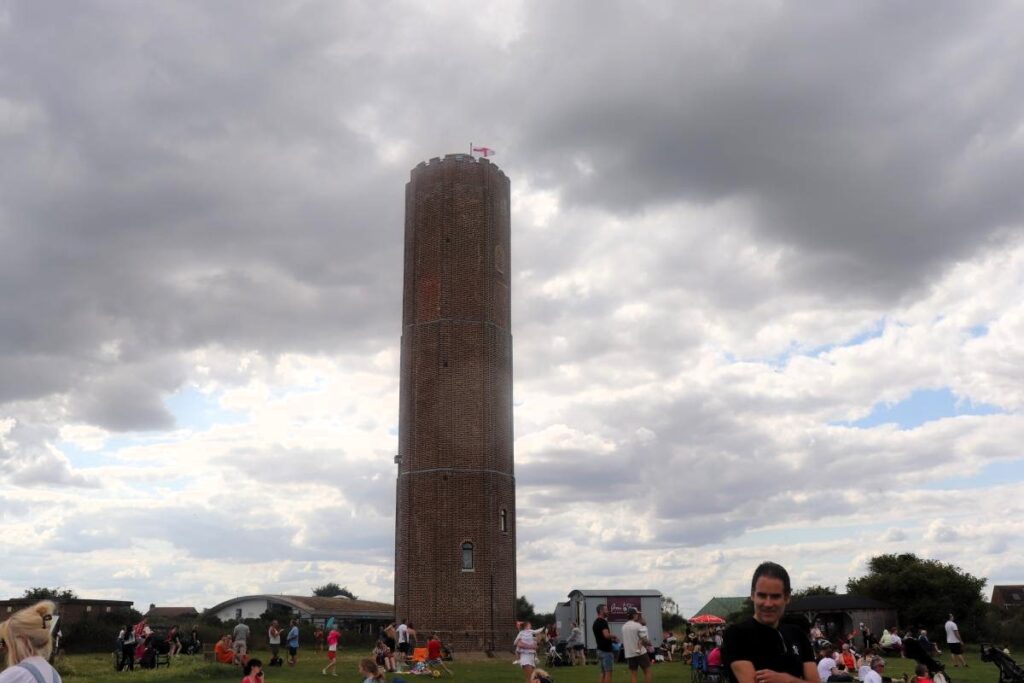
98, 669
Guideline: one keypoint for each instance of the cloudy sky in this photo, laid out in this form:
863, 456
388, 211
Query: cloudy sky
768, 287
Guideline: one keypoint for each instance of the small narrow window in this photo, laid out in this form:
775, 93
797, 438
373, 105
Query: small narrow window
238, 614
467, 557
503, 519
88, 608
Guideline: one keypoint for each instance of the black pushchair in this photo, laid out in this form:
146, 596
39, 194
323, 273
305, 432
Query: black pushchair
913, 649
1009, 670
558, 654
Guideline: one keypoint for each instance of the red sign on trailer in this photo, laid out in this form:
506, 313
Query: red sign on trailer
617, 607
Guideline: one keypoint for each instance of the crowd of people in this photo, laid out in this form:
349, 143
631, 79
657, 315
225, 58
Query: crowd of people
750, 651
140, 644
761, 649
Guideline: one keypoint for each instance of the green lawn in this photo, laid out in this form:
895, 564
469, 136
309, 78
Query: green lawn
89, 668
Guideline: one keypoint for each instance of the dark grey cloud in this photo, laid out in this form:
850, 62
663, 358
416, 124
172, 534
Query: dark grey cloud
876, 142
187, 181
203, 174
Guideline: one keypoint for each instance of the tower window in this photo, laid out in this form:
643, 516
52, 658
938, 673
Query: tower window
467, 557
503, 520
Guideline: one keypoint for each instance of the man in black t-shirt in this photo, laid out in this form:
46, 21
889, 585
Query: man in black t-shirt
762, 649
603, 638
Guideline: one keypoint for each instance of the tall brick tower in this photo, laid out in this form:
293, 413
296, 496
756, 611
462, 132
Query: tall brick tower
455, 540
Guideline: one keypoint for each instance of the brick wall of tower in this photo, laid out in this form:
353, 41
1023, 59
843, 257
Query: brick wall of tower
455, 475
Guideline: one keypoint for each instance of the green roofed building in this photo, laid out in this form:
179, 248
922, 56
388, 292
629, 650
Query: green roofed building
721, 607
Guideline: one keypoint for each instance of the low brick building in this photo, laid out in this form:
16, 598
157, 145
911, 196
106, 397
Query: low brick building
1008, 597
169, 616
70, 611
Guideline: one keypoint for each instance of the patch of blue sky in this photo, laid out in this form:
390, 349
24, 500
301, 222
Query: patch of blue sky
192, 409
80, 458
923, 405
978, 330
997, 473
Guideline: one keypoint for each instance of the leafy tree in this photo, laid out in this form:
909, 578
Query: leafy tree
525, 610
670, 617
55, 594
332, 590
923, 591
814, 590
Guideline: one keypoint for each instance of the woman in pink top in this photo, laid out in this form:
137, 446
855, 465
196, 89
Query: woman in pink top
332, 650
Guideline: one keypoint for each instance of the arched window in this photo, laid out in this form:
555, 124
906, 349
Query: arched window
503, 520
467, 557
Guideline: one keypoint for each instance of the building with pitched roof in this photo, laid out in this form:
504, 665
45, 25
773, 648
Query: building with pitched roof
364, 616
1008, 597
722, 606
158, 616
843, 613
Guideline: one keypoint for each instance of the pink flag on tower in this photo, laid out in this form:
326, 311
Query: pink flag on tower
483, 151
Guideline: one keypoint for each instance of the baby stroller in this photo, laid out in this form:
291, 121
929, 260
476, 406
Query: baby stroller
1009, 670
913, 649
558, 655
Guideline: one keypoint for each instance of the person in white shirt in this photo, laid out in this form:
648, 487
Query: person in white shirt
29, 644
827, 665
955, 643
403, 642
526, 645
875, 674
634, 647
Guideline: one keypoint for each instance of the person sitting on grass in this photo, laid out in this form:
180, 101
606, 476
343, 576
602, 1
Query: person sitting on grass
541, 676
922, 675
840, 674
383, 655
253, 671
222, 651
370, 672
434, 654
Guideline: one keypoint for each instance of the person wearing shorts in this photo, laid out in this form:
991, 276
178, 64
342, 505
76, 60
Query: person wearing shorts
274, 640
577, 650
332, 650
604, 640
634, 646
403, 641
293, 643
240, 643
955, 643
526, 648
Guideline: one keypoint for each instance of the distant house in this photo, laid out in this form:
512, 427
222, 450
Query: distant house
167, 616
721, 607
70, 611
1008, 597
842, 613
363, 616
